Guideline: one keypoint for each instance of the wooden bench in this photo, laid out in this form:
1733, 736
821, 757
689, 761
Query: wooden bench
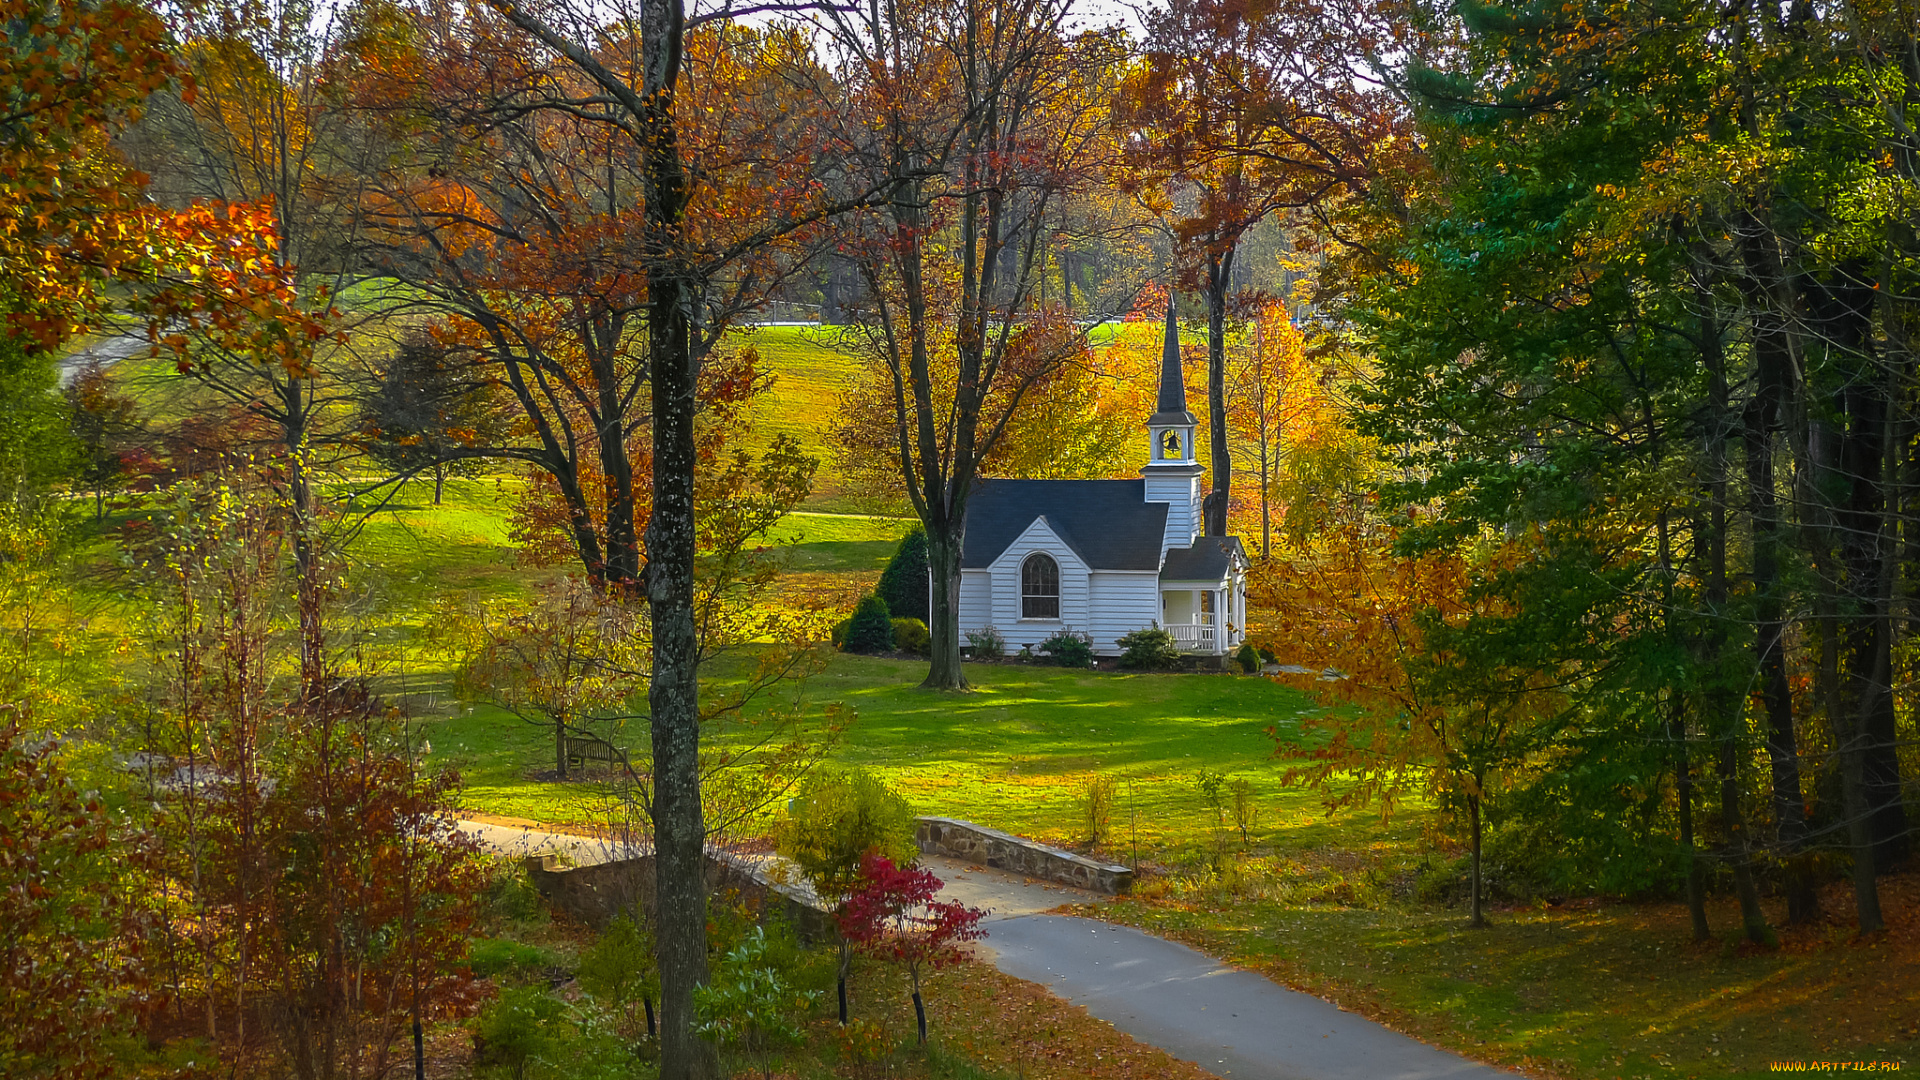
584, 748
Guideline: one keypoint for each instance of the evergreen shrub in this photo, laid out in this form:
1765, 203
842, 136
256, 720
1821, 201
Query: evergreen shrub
1152, 649
903, 584
1248, 658
912, 635
1067, 648
871, 628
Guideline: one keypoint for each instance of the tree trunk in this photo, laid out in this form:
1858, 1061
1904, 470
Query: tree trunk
919, 1007
1220, 462
1774, 368
560, 747
1683, 791
1753, 921
1477, 916
439, 480
846, 961
1723, 702
1844, 309
679, 827
943, 565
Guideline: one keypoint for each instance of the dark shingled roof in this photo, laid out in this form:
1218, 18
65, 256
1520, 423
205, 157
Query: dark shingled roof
1108, 523
1207, 560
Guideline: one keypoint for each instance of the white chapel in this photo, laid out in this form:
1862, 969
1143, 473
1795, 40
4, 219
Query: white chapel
1108, 557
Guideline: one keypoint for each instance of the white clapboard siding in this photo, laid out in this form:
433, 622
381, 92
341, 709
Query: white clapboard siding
1122, 601
976, 600
1006, 588
1183, 498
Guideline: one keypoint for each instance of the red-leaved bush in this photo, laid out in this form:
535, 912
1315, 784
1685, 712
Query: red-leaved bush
891, 913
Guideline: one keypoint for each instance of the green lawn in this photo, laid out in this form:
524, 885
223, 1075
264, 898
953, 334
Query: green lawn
1016, 754
810, 377
840, 542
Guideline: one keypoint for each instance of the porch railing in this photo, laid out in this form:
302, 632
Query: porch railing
1192, 637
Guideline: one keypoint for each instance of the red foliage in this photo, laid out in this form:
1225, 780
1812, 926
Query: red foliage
892, 913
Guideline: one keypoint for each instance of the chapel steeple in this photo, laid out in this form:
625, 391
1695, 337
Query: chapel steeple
1171, 425
1171, 473
1172, 408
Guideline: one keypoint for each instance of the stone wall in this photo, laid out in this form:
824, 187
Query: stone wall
1002, 851
596, 894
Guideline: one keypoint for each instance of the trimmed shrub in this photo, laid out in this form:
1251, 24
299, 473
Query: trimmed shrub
871, 629
1069, 649
1151, 649
912, 635
835, 818
987, 644
1247, 658
1267, 657
903, 584
839, 633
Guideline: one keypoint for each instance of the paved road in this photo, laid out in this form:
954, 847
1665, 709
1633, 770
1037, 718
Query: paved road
1233, 1023
518, 842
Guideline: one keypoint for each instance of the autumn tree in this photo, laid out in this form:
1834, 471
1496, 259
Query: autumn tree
104, 423
976, 138
431, 401
1240, 111
891, 911
566, 235
309, 895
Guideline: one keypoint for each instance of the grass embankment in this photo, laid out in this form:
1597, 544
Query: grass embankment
811, 377
1586, 989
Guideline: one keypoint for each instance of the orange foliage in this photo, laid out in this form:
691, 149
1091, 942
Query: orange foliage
72, 218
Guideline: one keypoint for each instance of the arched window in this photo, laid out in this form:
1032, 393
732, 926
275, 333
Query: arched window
1039, 587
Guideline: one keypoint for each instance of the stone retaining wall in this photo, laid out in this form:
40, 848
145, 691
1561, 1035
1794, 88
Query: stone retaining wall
1003, 851
596, 894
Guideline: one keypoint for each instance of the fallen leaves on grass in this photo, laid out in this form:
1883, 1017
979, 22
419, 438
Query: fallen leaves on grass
1019, 1029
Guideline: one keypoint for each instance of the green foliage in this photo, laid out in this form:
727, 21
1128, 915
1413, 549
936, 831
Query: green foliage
1212, 786
837, 817
494, 957
618, 967
1151, 649
912, 635
871, 628
37, 447
749, 1006
510, 896
517, 1029
986, 643
1068, 648
903, 584
69, 968
1247, 658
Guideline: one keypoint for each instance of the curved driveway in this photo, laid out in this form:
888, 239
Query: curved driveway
1234, 1023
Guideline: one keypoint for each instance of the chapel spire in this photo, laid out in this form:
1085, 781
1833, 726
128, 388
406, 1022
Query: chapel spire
1172, 408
